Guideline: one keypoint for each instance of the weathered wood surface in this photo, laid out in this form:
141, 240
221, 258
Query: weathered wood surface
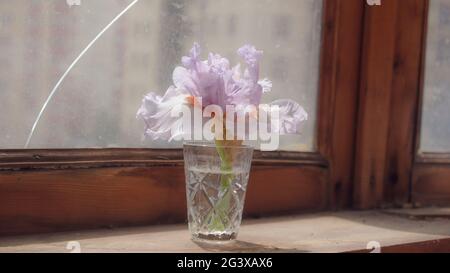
325, 232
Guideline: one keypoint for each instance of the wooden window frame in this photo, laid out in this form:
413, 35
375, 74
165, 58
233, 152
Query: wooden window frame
389, 170
56, 190
431, 171
388, 100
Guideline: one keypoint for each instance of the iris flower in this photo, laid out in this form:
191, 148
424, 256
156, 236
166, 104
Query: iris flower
216, 83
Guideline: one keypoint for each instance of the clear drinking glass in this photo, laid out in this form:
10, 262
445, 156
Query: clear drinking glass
216, 183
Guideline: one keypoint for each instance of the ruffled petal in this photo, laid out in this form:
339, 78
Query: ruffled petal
184, 79
291, 116
190, 62
252, 56
156, 112
266, 85
218, 64
245, 88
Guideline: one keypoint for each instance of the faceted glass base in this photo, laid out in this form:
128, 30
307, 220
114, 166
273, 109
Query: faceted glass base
218, 237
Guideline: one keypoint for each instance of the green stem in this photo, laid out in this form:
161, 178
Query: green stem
225, 187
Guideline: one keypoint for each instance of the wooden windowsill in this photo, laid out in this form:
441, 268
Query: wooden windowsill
323, 232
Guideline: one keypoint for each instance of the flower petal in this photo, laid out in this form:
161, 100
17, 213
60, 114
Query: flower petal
266, 85
218, 64
194, 57
291, 116
183, 79
252, 56
156, 112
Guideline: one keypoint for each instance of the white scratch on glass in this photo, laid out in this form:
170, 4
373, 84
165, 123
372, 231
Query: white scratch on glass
52, 93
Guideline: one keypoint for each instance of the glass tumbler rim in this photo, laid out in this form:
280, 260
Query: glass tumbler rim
207, 144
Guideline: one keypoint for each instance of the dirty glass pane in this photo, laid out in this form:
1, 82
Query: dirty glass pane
435, 130
96, 103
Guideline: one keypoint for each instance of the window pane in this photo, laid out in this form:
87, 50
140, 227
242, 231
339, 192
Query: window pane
435, 131
96, 104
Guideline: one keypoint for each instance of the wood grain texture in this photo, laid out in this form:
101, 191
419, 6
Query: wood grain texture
389, 102
431, 184
323, 232
57, 200
374, 103
433, 246
404, 109
431, 213
340, 67
93, 158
